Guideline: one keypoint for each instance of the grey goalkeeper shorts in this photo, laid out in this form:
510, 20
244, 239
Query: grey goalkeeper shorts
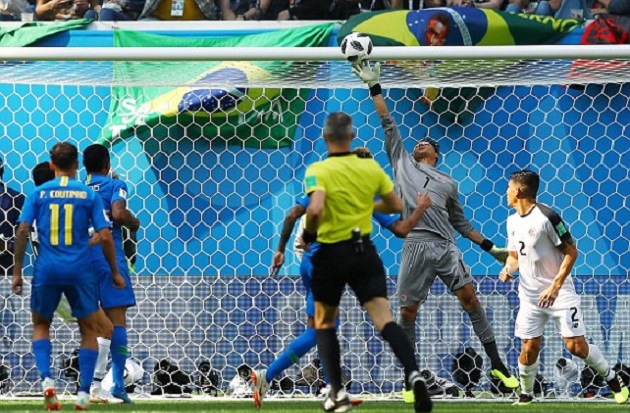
422, 261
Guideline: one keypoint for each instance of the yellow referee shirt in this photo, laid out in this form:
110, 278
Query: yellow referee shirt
350, 184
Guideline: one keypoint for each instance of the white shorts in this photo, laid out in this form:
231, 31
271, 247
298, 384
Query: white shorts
531, 320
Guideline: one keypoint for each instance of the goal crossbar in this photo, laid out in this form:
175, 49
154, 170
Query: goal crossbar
312, 53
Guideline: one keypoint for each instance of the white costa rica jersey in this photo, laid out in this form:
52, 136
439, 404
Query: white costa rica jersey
535, 238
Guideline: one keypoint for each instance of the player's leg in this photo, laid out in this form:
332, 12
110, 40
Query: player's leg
119, 350
529, 327
329, 279
83, 299
44, 301
105, 331
571, 326
115, 302
370, 286
528, 369
305, 341
416, 276
454, 273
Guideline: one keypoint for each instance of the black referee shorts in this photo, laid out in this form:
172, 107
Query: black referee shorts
336, 265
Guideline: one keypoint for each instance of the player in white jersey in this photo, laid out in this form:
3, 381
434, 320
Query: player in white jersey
542, 250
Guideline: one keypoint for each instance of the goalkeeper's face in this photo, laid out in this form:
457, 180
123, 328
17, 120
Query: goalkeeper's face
424, 151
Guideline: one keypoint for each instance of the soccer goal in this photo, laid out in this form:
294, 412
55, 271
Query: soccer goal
213, 144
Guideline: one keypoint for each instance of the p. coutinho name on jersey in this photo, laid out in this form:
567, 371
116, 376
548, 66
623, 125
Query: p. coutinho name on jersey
67, 194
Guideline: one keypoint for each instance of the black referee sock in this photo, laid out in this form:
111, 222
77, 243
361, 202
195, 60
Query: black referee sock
328, 345
395, 336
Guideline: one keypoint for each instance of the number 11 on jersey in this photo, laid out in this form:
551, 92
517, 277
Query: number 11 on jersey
67, 224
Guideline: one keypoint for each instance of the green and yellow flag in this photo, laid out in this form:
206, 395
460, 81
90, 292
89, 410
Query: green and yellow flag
244, 116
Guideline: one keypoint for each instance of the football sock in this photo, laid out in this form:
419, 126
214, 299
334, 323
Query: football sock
298, 348
409, 328
480, 325
528, 377
329, 349
101, 361
42, 350
598, 362
495, 359
87, 363
483, 330
119, 356
394, 335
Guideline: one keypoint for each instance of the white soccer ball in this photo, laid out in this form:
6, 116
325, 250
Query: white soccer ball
356, 47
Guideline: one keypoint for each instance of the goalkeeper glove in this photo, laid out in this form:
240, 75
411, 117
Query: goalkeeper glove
499, 254
365, 72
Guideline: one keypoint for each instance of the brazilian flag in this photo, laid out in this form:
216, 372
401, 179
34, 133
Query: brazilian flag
456, 26
261, 118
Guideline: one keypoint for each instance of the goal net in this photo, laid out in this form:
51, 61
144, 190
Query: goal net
214, 153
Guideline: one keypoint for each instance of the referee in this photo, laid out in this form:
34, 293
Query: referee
339, 216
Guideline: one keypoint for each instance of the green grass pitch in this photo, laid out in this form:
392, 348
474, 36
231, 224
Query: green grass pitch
216, 406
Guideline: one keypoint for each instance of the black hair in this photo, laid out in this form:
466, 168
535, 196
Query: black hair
95, 157
64, 155
42, 173
528, 181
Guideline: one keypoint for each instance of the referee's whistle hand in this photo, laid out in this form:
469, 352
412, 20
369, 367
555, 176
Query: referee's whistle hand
119, 281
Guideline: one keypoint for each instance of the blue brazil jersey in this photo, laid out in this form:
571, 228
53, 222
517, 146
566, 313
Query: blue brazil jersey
110, 190
63, 209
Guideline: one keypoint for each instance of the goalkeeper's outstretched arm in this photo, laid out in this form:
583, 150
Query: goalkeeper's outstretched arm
393, 141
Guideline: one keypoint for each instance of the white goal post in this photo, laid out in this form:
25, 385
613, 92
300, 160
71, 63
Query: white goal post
213, 145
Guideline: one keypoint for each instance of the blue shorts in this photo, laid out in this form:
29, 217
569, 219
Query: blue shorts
82, 296
306, 271
110, 296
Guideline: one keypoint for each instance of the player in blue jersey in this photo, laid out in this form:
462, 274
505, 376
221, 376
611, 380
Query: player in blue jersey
64, 210
115, 302
307, 340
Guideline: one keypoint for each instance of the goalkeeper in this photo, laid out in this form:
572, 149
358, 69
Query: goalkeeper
307, 340
429, 251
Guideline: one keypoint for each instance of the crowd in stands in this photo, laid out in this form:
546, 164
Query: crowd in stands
174, 10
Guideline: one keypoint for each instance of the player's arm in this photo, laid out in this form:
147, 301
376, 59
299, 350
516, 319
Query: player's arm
101, 224
511, 266
19, 248
464, 227
402, 227
287, 229
123, 216
371, 77
569, 249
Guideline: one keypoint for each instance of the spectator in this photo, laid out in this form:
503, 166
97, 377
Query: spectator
479, 4
186, 10
121, 10
563, 9
11, 202
264, 10
616, 7
11, 10
66, 9
417, 4
320, 10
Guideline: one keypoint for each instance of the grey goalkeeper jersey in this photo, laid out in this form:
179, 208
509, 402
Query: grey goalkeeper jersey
412, 178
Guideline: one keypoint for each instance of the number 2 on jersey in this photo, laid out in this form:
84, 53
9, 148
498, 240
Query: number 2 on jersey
67, 224
522, 250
